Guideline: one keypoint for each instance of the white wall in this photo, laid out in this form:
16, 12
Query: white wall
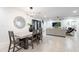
65, 23
7, 16
69, 22
3, 26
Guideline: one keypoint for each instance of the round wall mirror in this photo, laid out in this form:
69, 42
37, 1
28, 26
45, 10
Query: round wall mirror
19, 22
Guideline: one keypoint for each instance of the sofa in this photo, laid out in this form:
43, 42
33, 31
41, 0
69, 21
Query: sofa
56, 32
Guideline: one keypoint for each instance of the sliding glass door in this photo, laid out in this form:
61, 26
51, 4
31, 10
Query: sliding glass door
36, 24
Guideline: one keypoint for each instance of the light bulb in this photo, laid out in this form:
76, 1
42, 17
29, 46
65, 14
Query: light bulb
75, 11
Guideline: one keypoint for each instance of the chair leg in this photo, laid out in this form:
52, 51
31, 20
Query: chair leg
37, 41
41, 38
9, 47
25, 43
14, 48
32, 44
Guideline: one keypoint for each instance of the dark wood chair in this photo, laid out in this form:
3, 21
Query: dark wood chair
29, 38
40, 35
34, 38
37, 36
14, 42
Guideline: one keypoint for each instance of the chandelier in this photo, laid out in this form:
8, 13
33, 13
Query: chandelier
34, 12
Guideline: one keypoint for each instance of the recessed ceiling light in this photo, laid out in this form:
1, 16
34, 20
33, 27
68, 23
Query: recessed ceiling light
31, 8
75, 11
44, 15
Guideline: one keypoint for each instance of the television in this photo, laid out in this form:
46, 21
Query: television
56, 24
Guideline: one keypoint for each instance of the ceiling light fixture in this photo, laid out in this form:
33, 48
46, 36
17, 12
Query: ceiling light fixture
75, 11
31, 8
32, 12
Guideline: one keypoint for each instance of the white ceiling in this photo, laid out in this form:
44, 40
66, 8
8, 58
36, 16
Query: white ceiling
53, 12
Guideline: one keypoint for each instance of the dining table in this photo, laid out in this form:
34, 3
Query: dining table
25, 39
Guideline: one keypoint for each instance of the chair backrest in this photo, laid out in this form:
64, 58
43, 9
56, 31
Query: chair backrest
34, 33
11, 36
40, 30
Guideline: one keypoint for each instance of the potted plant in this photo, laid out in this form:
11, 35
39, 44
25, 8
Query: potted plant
30, 28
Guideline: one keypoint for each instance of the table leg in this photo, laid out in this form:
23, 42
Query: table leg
25, 43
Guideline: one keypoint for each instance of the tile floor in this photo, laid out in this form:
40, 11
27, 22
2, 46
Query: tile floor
52, 44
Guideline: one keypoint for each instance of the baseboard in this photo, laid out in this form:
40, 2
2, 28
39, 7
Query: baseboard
55, 35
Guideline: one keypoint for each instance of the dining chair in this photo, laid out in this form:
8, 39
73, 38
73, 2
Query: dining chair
40, 35
34, 38
15, 44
